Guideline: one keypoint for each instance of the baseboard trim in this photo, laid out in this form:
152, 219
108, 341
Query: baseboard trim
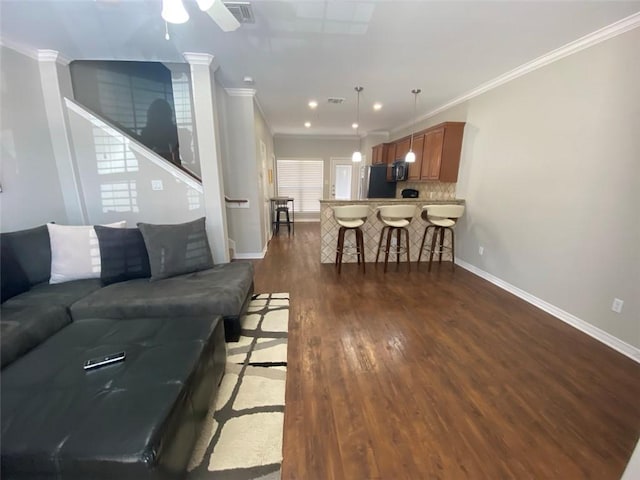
613, 342
248, 256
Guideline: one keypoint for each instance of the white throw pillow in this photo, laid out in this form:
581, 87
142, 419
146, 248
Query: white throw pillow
75, 252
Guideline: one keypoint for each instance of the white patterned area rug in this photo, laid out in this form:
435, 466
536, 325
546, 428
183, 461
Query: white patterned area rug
242, 436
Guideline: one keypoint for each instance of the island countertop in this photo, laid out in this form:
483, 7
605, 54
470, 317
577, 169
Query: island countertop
329, 227
386, 201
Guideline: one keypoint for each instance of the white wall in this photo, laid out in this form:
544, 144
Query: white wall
31, 192
316, 148
550, 171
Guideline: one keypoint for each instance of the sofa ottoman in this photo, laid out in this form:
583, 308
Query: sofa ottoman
137, 419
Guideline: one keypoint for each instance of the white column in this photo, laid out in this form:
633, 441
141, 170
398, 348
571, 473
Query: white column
55, 79
206, 127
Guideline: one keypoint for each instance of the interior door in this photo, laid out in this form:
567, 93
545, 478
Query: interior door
343, 179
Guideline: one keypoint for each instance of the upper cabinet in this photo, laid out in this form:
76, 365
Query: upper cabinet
432, 155
390, 158
390, 153
377, 155
437, 152
416, 167
441, 154
402, 148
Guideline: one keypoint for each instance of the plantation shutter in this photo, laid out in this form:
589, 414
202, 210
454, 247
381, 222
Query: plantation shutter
301, 180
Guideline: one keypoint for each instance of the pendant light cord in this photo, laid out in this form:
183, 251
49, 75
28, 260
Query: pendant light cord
358, 89
415, 92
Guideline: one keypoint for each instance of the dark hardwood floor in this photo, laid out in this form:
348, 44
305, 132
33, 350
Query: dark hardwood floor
417, 375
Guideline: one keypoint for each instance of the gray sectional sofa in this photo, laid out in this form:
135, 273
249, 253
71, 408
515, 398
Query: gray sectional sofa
138, 418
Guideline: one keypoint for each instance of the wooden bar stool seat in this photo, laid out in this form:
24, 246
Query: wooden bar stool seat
395, 218
350, 217
440, 218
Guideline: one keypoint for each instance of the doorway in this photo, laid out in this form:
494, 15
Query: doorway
343, 179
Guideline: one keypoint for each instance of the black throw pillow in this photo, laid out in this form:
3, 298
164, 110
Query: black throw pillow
123, 254
31, 248
14, 281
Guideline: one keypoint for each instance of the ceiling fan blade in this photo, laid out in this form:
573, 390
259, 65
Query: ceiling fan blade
223, 17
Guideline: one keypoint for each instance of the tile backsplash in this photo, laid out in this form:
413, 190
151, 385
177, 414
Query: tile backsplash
429, 190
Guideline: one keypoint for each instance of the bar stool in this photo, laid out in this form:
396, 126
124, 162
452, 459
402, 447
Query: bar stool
441, 218
395, 219
350, 217
282, 206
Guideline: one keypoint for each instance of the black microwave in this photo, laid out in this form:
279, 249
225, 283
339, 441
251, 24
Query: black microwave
400, 171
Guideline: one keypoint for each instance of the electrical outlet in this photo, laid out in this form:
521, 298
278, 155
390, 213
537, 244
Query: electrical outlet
156, 185
481, 250
617, 305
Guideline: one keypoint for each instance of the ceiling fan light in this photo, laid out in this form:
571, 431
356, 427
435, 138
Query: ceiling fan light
205, 5
173, 11
356, 157
410, 157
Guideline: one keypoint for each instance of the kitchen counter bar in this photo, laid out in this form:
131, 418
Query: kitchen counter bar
372, 227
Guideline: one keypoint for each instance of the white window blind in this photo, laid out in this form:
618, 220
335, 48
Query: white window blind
301, 180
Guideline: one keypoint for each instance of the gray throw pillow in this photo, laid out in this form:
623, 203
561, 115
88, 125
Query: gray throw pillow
176, 249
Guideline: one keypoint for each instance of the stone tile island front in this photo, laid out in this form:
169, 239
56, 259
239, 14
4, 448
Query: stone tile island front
373, 226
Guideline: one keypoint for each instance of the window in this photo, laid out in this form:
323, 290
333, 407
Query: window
301, 180
122, 92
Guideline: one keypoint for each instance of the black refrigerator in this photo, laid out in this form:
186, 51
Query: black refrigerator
379, 187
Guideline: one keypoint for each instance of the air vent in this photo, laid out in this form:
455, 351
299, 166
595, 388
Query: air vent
335, 100
241, 10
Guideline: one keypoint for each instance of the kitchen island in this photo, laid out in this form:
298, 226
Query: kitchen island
372, 228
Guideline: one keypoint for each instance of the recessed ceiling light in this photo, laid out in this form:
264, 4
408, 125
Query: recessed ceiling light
248, 79
313, 104
377, 106
354, 125
307, 124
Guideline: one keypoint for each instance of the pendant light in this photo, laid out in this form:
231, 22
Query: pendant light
357, 156
411, 157
173, 11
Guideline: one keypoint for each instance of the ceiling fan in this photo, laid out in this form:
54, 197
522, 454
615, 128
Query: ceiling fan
173, 11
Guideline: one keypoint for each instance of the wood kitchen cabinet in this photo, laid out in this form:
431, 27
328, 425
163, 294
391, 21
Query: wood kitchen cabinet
402, 148
441, 152
416, 168
437, 152
390, 158
432, 154
377, 154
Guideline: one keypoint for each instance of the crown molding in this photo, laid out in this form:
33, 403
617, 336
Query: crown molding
41, 55
22, 49
204, 59
316, 137
45, 55
589, 40
241, 92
